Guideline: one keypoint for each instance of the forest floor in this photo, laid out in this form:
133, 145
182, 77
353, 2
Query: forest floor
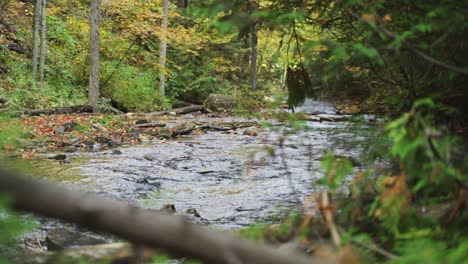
72, 132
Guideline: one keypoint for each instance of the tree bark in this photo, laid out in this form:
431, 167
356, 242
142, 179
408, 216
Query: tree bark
253, 63
36, 26
143, 227
93, 95
43, 43
162, 74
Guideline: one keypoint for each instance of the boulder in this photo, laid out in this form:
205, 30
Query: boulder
220, 103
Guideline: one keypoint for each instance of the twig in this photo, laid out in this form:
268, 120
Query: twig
39, 243
118, 65
325, 204
376, 249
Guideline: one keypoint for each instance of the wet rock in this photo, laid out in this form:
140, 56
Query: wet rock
88, 143
250, 132
141, 121
148, 157
164, 132
149, 181
182, 130
61, 238
116, 152
59, 157
193, 211
205, 171
65, 127
220, 103
70, 149
102, 140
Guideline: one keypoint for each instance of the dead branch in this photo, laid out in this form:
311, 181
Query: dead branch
61, 110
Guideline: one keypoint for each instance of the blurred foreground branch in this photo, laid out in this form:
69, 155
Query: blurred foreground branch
143, 227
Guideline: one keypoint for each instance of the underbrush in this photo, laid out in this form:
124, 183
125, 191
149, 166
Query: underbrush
414, 212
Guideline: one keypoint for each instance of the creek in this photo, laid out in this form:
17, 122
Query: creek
231, 179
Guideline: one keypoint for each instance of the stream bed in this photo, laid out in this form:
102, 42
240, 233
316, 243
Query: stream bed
231, 178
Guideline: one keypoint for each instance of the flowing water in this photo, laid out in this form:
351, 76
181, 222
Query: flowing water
231, 179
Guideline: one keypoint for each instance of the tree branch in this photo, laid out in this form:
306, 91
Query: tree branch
410, 46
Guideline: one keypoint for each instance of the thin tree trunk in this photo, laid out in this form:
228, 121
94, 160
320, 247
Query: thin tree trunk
35, 51
93, 95
43, 43
253, 63
162, 74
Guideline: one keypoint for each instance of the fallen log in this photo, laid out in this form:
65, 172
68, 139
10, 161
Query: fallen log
61, 110
115, 110
173, 234
182, 130
150, 124
178, 111
319, 118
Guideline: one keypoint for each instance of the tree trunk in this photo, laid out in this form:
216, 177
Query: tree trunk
43, 43
253, 63
93, 95
162, 74
35, 50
